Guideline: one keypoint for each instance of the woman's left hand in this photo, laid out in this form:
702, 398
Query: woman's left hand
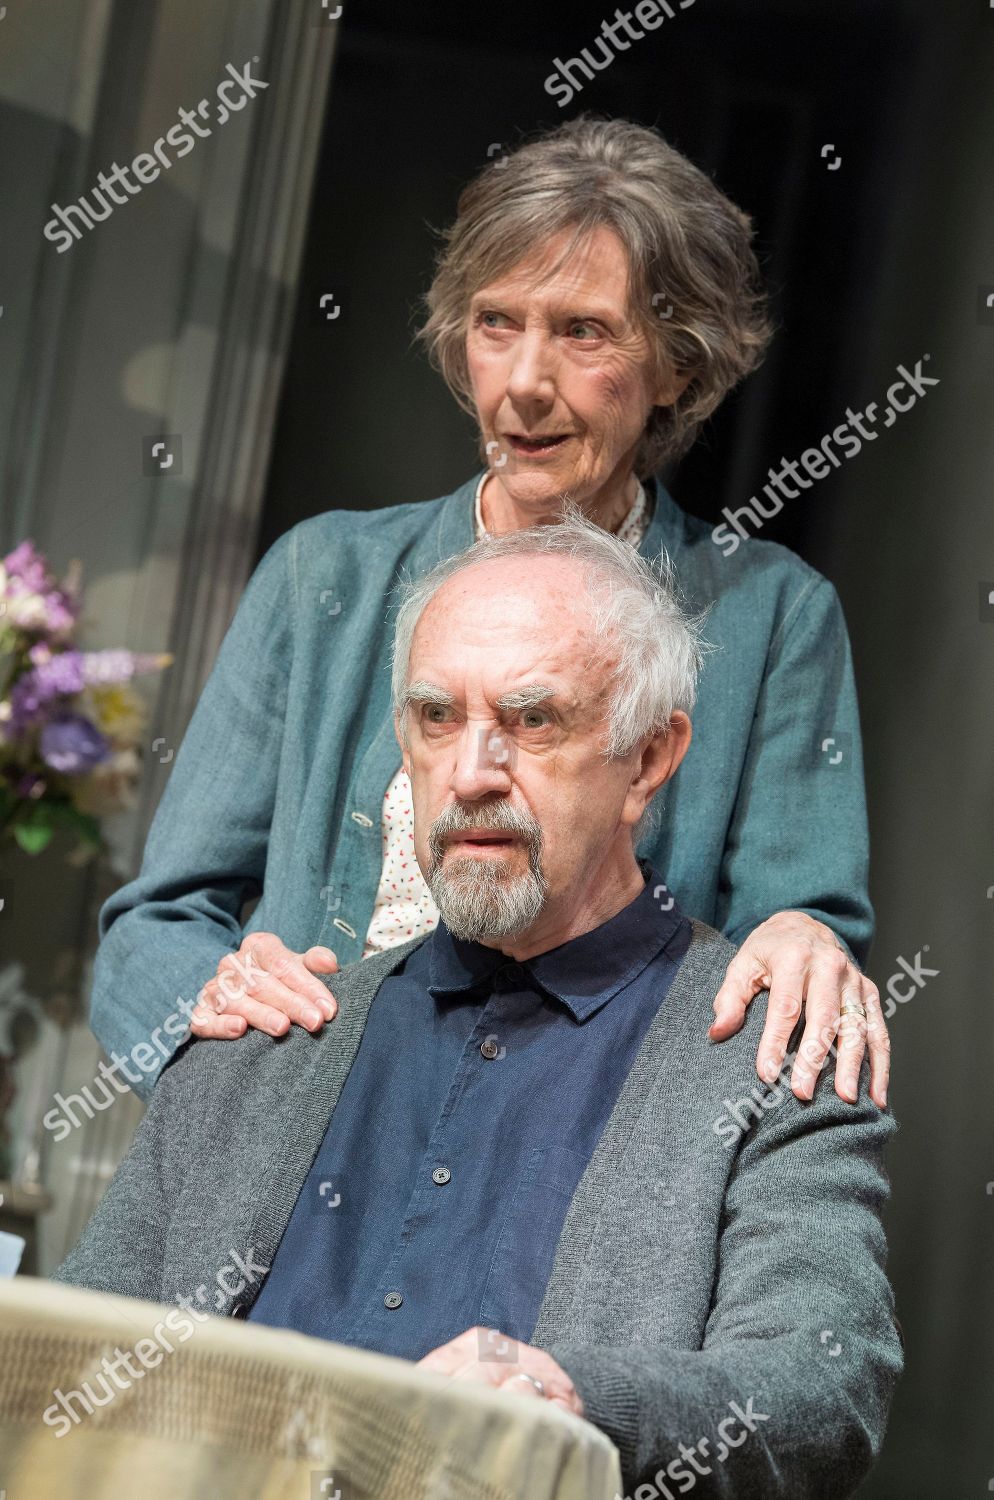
802, 964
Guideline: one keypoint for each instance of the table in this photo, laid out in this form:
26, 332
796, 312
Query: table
229, 1410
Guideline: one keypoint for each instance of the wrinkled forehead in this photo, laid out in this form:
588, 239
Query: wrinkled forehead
511, 615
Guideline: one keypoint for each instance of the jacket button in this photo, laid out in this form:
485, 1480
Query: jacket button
489, 1048
441, 1175
392, 1299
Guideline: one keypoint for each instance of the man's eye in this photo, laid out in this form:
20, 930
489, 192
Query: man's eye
535, 718
490, 314
592, 330
435, 713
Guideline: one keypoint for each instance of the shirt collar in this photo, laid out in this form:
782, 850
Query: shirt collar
583, 973
632, 529
453, 528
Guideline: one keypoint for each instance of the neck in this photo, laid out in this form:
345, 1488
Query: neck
579, 909
501, 512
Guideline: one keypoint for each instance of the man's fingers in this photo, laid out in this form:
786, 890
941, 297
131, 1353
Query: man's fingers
744, 978
879, 1041
782, 1010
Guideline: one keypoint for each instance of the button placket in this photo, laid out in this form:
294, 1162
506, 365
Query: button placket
421, 1201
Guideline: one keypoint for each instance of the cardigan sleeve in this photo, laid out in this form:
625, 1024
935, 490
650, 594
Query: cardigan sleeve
122, 1249
163, 933
798, 838
789, 1394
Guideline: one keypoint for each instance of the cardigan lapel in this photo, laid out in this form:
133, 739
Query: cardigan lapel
577, 1261
311, 1073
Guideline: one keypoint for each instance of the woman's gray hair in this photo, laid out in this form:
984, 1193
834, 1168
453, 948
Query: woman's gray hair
694, 281
635, 612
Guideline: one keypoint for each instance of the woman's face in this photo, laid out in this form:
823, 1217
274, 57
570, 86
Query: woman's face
562, 359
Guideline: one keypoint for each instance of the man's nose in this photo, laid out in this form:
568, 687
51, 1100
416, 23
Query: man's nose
484, 760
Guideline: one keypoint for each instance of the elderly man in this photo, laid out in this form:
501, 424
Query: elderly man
518, 1159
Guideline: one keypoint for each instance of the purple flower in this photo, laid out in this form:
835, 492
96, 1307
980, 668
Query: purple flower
27, 563
72, 744
60, 676
120, 666
62, 612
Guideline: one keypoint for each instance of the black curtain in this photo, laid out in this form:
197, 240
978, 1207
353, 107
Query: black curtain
876, 252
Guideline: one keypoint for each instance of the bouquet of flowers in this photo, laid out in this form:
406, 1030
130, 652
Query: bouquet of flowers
70, 722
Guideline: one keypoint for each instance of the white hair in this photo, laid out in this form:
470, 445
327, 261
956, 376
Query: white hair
634, 610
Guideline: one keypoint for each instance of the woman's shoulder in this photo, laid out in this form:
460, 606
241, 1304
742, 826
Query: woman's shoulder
410, 519
758, 575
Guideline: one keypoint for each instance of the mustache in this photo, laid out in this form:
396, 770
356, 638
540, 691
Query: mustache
500, 816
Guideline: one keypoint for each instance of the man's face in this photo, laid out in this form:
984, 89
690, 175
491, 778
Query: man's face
518, 818
562, 358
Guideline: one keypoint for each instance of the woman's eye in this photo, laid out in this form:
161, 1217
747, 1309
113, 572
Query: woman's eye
484, 316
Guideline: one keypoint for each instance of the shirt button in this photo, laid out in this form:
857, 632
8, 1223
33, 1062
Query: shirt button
392, 1299
488, 1048
441, 1175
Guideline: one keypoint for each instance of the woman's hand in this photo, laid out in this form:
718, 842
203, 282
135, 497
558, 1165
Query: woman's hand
265, 985
802, 963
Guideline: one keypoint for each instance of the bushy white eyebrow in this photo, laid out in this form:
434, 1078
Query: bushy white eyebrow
524, 697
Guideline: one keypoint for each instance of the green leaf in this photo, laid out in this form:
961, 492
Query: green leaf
32, 837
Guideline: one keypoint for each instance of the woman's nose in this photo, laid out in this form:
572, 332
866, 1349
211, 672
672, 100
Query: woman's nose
532, 371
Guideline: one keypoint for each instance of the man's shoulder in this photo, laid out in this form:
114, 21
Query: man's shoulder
205, 1068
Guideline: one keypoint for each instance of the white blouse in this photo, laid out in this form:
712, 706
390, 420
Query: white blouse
404, 906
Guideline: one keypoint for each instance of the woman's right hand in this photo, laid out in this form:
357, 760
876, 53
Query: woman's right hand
268, 986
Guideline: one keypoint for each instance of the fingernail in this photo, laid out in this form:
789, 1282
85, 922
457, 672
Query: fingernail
313, 1017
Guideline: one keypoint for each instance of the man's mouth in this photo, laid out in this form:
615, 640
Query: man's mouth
477, 839
523, 443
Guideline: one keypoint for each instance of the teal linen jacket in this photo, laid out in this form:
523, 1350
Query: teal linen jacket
277, 788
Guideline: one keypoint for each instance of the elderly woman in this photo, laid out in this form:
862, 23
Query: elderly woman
595, 300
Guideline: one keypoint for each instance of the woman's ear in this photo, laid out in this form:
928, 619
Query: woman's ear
672, 387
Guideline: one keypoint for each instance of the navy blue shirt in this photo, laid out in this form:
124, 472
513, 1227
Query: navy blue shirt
478, 1094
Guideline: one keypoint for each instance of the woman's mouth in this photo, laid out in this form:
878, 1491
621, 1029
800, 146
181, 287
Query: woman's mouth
535, 445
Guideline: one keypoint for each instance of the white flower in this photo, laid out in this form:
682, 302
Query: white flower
27, 611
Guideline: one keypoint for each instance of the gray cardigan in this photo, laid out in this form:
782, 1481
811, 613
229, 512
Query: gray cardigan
703, 1270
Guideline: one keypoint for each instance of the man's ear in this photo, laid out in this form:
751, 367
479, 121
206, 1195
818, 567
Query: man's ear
661, 756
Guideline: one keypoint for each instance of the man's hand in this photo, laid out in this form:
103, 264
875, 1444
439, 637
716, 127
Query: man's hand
265, 985
801, 963
481, 1354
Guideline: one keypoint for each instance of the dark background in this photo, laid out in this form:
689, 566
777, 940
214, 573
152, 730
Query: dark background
869, 266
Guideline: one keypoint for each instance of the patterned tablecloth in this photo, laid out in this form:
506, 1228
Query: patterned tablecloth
237, 1411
